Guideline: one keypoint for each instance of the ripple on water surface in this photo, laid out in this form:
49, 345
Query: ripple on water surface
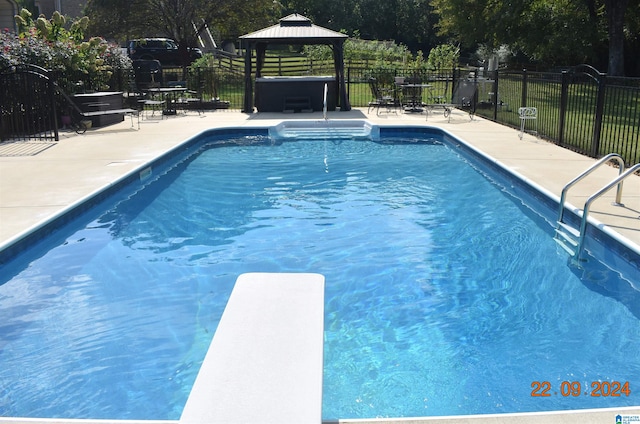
444, 293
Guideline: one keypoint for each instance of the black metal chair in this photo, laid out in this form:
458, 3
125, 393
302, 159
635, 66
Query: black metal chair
148, 74
382, 98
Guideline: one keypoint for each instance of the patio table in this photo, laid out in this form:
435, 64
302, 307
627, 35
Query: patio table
170, 97
413, 94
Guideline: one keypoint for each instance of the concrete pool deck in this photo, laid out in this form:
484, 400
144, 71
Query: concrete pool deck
40, 180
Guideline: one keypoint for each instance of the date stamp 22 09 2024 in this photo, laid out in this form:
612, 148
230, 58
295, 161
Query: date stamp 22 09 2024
575, 389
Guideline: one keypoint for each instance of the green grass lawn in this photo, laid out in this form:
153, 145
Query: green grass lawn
620, 123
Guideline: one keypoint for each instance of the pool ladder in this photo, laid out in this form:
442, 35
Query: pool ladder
570, 238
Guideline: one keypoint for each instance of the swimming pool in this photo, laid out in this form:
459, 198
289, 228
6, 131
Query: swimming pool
360, 200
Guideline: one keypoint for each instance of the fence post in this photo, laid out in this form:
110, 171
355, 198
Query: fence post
564, 92
51, 93
446, 86
597, 124
495, 96
454, 81
523, 101
348, 82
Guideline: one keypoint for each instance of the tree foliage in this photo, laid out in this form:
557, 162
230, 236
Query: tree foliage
550, 32
180, 20
444, 56
556, 32
407, 22
118, 19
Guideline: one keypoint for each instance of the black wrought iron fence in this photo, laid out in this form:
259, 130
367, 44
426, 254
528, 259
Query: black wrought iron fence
217, 86
580, 109
519, 89
27, 104
439, 86
620, 122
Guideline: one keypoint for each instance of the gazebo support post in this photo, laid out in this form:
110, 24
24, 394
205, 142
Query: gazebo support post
248, 83
341, 86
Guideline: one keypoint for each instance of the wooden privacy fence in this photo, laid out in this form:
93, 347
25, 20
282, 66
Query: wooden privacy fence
288, 65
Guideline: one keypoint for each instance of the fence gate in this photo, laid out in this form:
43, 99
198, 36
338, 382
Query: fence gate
27, 104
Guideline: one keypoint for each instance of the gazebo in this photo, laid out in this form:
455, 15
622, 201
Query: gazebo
293, 30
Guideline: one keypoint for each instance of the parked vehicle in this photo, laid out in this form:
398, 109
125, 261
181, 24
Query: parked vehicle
163, 50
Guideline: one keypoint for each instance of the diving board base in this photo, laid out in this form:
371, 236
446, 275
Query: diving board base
265, 362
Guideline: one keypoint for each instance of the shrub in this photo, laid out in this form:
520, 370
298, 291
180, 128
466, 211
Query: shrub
444, 56
58, 46
382, 52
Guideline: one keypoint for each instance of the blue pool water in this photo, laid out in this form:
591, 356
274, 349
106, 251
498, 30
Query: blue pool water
445, 292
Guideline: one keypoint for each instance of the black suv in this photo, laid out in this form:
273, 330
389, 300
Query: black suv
164, 50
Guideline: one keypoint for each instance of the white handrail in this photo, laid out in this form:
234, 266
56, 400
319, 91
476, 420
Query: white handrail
324, 103
603, 190
607, 158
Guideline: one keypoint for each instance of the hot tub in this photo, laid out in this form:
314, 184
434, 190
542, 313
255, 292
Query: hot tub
294, 94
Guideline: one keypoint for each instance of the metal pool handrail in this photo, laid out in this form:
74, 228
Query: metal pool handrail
587, 204
324, 103
607, 158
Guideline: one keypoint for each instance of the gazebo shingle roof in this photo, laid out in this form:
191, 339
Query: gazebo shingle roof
294, 28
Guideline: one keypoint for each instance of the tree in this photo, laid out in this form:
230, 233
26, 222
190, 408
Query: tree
551, 27
443, 57
177, 19
409, 22
615, 17
632, 39
465, 21
556, 32
118, 20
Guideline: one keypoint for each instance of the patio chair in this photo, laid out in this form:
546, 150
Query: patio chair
148, 74
465, 96
149, 103
134, 95
381, 98
193, 100
527, 114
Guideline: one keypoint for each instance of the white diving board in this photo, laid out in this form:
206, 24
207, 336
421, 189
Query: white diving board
265, 362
